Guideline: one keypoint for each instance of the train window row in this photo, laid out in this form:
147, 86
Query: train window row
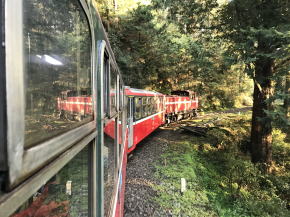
111, 89
146, 106
113, 116
55, 139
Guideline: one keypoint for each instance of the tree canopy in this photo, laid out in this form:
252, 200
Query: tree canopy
215, 48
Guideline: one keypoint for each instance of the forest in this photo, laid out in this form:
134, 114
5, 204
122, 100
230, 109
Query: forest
233, 53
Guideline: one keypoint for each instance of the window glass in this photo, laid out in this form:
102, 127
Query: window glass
121, 90
66, 194
109, 156
106, 84
113, 92
150, 106
144, 107
154, 105
138, 108
58, 68
128, 108
120, 129
158, 104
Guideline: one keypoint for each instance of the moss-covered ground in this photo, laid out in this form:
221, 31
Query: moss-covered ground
221, 180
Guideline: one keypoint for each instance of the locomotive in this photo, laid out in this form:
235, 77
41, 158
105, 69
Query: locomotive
67, 121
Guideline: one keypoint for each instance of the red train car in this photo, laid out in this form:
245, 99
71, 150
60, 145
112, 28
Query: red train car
72, 106
146, 112
181, 104
76, 166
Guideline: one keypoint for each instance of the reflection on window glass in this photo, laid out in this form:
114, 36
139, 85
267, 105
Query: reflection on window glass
58, 68
66, 194
138, 108
113, 95
120, 129
109, 163
144, 107
155, 105
150, 106
106, 84
121, 100
158, 104
161, 103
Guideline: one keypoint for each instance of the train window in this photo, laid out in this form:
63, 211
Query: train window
113, 92
58, 68
120, 130
154, 105
158, 104
106, 89
144, 107
161, 103
66, 194
149, 104
117, 140
121, 99
3, 160
138, 108
109, 156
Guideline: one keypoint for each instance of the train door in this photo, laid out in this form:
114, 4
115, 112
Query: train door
130, 121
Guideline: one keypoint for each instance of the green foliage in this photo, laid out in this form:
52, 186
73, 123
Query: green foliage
153, 54
188, 14
259, 33
221, 180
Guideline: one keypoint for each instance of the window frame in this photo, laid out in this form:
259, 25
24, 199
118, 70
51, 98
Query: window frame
106, 71
113, 72
23, 162
105, 117
144, 107
121, 91
150, 105
138, 105
24, 191
104, 49
3, 157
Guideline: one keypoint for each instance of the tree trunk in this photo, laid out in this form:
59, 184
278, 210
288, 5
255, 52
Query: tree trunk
261, 134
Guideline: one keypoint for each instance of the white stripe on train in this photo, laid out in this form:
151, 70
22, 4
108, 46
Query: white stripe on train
171, 103
144, 119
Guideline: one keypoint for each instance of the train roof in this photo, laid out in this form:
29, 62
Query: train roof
139, 92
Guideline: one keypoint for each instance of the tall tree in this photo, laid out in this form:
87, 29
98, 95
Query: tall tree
259, 30
257, 35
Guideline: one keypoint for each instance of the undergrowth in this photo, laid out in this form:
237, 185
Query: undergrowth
221, 180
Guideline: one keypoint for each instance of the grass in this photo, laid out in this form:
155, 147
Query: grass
221, 180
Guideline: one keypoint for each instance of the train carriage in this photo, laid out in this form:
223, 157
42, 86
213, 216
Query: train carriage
180, 104
146, 112
55, 57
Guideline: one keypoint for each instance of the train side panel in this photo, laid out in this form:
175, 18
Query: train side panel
147, 116
145, 127
179, 107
